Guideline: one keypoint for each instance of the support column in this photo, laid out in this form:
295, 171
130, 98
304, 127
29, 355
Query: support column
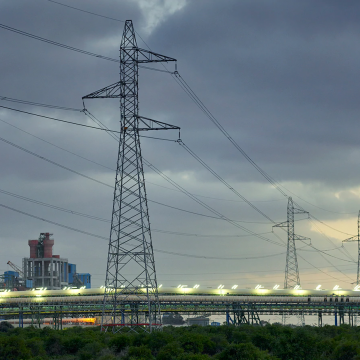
43, 273
320, 319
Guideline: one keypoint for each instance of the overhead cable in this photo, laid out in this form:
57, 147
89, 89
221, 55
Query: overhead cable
35, 37
25, 102
157, 250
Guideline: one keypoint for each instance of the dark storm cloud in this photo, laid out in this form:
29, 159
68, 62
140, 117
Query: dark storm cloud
284, 74
281, 77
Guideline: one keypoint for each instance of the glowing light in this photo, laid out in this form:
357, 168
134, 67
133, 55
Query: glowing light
318, 287
183, 286
276, 287
234, 287
297, 287
179, 286
357, 288
337, 287
221, 286
258, 287
159, 286
196, 286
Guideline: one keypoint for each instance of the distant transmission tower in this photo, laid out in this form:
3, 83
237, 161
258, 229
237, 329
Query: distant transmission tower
356, 238
131, 294
292, 277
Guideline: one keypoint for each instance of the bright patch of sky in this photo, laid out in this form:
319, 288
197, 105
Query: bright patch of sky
156, 11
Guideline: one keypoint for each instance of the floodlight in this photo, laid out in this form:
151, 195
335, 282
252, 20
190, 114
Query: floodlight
221, 286
318, 287
179, 286
357, 288
234, 287
337, 287
276, 287
159, 286
297, 287
257, 287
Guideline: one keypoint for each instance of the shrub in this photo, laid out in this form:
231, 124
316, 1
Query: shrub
119, 342
14, 348
170, 351
5, 326
140, 353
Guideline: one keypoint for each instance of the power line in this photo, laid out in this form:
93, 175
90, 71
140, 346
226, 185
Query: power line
85, 11
201, 105
342, 232
55, 43
239, 195
56, 146
204, 215
92, 117
186, 88
200, 202
196, 157
74, 123
157, 250
54, 163
25, 102
63, 121
24, 33
181, 80
108, 185
185, 192
72, 212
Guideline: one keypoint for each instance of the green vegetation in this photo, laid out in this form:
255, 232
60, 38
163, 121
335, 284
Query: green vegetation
270, 342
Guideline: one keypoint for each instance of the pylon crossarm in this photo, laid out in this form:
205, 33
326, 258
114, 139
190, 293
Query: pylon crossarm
111, 91
150, 56
282, 224
150, 125
354, 238
300, 211
302, 238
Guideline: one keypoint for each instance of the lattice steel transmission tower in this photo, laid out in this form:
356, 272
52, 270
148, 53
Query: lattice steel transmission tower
131, 301
292, 277
356, 238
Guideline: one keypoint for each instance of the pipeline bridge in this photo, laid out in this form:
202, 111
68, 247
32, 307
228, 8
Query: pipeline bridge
241, 306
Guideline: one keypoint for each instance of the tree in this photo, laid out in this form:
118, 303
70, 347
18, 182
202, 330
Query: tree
244, 351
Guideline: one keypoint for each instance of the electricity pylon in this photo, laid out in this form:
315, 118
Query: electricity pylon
356, 238
131, 301
292, 277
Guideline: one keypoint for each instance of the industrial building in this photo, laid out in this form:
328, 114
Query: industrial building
44, 270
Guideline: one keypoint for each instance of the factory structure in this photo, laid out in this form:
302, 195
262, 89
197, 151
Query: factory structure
44, 270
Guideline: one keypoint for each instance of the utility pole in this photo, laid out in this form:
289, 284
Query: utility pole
356, 238
131, 299
292, 277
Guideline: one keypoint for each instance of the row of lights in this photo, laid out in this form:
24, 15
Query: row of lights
276, 287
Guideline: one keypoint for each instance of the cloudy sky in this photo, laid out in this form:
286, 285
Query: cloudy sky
281, 77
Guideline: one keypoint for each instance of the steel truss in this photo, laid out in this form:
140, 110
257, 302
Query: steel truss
130, 244
292, 277
237, 312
